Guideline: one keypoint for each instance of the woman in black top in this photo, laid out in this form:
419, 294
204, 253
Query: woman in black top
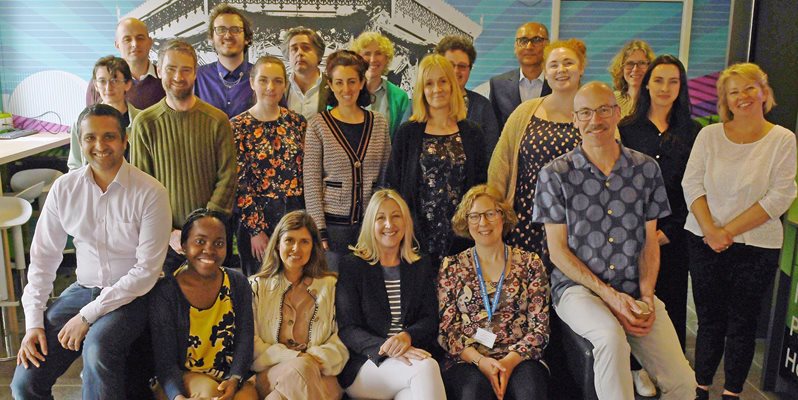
661, 127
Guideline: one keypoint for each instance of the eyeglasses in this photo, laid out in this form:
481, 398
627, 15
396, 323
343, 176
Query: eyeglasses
222, 30
462, 67
525, 41
490, 215
586, 114
630, 65
114, 82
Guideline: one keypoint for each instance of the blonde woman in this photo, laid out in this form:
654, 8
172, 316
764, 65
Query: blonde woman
740, 179
387, 311
627, 69
388, 99
437, 156
297, 349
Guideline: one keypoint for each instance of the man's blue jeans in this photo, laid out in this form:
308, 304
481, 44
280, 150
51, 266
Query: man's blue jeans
104, 349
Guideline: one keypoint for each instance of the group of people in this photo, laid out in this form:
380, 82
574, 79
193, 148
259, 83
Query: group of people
398, 247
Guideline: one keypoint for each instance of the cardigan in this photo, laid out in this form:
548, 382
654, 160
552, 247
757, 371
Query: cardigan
191, 153
75, 159
169, 325
503, 168
339, 180
364, 316
403, 166
323, 341
480, 111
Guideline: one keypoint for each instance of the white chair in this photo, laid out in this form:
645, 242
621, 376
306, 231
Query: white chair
14, 212
29, 177
29, 194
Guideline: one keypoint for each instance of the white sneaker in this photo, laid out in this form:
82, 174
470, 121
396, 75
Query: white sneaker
643, 384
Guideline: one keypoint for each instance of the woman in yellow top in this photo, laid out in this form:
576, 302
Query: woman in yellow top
201, 319
297, 350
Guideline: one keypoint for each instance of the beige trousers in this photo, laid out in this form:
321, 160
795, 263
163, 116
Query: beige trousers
297, 378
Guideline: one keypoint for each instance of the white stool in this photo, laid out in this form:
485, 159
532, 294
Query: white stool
14, 212
29, 177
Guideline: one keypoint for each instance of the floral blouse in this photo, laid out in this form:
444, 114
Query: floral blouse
521, 322
269, 167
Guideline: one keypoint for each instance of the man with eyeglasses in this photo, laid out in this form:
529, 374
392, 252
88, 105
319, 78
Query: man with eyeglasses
134, 43
461, 53
224, 84
513, 87
600, 203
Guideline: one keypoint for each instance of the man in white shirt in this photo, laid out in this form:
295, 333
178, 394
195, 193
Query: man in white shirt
120, 220
307, 87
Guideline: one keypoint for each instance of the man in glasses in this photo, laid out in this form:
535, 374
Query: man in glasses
224, 84
509, 89
460, 51
134, 43
600, 203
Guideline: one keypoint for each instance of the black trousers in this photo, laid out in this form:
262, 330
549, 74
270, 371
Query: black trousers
529, 381
728, 288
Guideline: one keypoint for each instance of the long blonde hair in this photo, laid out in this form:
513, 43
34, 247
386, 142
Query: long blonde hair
420, 105
367, 247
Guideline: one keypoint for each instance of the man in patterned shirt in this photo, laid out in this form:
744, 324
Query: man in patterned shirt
600, 204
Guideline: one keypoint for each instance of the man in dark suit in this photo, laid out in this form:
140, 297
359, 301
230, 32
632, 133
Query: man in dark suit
513, 87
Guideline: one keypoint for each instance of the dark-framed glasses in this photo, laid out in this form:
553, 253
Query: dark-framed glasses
630, 65
222, 30
490, 215
586, 114
525, 41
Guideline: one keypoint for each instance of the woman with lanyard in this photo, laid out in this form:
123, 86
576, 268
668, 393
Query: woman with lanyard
493, 306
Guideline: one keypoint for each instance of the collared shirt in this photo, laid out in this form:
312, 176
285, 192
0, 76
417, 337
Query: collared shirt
151, 71
306, 103
530, 88
381, 103
226, 90
120, 239
605, 215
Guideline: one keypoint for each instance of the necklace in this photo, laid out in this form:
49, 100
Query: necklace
231, 84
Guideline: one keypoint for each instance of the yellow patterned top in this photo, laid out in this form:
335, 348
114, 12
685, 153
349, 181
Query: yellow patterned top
210, 334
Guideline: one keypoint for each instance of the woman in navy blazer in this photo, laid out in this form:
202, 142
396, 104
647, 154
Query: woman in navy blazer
387, 308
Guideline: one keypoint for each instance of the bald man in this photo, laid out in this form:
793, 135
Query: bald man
134, 44
515, 86
600, 203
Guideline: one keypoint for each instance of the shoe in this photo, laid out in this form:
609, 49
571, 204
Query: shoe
643, 384
701, 394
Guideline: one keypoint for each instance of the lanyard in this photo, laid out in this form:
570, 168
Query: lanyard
490, 307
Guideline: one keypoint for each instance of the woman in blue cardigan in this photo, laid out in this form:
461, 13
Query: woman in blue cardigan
201, 319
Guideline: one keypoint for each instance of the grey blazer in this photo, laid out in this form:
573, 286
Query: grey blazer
504, 94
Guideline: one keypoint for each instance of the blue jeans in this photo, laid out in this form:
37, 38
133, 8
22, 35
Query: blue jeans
104, 349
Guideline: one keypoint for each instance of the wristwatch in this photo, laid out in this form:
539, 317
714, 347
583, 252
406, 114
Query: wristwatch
477, 360
85, 321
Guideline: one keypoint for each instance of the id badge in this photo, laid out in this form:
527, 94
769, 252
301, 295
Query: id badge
485, 338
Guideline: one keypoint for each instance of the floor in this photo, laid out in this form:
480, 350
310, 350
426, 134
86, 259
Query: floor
68, 386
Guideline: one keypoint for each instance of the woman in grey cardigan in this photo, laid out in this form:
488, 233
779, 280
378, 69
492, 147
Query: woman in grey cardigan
346, 152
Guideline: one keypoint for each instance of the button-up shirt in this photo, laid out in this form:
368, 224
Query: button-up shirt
381, 103
226, 90
530, 88
120, 238
605, 215
306, 103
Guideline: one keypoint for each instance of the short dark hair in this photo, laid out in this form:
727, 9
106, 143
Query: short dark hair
102, 110
198, 214
348, 58
456, 42
224, 8
315, 40
113, 65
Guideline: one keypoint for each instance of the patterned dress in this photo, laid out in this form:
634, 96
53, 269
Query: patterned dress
543, 141
269, 168
441, 185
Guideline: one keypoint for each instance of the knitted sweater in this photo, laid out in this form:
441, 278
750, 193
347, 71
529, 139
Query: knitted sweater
339, 180
191, 153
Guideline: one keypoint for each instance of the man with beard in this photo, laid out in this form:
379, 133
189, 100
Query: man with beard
307, 90
134, 44
513, 87
186, 144
224, 84
600, 203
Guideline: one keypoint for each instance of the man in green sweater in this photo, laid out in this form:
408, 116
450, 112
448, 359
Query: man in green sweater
186, 144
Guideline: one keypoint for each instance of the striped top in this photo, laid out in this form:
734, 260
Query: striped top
394, 291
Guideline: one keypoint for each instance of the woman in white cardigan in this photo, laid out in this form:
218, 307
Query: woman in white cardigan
297, 350
740, 179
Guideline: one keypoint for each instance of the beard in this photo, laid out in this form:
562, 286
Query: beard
180, 93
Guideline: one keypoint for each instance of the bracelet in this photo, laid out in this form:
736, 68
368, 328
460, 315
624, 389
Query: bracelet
477, 360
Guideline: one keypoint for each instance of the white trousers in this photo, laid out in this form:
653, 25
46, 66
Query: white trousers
394, 379
659, 352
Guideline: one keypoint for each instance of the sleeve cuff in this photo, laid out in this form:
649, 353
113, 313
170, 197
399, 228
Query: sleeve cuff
90, 312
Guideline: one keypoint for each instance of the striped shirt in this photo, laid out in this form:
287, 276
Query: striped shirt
393, 290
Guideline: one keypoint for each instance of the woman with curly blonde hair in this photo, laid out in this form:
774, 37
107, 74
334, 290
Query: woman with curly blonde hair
627, 69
